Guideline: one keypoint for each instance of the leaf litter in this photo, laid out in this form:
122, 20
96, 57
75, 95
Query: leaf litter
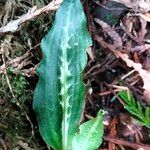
118, 60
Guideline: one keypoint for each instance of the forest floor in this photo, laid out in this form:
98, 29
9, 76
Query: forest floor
118, 68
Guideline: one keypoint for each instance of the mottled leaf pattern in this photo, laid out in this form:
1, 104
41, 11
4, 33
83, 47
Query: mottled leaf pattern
90, 134
59, 95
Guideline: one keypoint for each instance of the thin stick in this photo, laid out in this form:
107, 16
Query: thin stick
108, 92
128, 74
11, 90
7, 78
14, 25
126, 143
3, 144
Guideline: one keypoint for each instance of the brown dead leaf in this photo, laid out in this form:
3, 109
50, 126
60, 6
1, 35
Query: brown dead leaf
146, 95
128, 22
128, 125
147, 61
145, 16
14, 25
136, 5
111, 32
143, 30
145, 75
140, 49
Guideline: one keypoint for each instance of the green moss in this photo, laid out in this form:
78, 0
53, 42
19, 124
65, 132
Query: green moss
13, 121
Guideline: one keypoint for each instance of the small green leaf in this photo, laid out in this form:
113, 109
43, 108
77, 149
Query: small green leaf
147, 113
136, 108
139, 107
133, 101
90, 134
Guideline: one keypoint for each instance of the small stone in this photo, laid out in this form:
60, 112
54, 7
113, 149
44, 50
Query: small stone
110, 13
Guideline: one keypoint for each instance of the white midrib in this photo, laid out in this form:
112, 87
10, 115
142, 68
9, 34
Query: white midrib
64, 74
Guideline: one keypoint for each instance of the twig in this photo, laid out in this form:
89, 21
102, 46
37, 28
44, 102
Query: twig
110, 60
11, 90
19, 62
30, 72
128, 74
14, 25
24, 145
135, 39
108, 92
126, 143
3, 144
14, 62
7, 78
145, 75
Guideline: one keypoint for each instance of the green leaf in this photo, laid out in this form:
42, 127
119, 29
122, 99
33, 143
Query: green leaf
136, 108
90, 134
59, 95
147, 113
139, 107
